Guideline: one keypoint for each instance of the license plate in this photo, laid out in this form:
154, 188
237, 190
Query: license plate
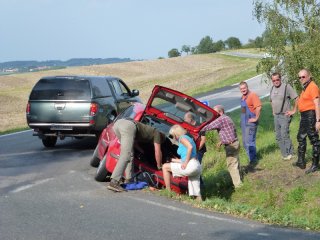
60, 127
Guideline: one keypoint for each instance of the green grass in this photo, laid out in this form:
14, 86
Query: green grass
276, 193
19, 129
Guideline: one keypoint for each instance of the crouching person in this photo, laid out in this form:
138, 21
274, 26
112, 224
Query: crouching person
187, 165
130, 132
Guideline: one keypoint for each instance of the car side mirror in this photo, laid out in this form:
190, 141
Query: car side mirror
135, 92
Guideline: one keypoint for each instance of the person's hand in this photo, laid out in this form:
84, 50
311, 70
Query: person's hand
184, 165
159, 167
290, 113
318, 126
252, 120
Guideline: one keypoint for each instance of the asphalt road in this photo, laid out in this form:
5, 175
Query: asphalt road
51, 194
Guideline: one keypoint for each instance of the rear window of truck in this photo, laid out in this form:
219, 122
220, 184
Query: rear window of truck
61, 89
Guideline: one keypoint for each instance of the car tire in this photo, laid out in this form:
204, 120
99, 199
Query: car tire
49, 141
94, 162
102, 173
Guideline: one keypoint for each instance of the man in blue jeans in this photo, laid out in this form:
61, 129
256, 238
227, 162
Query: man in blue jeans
250, 113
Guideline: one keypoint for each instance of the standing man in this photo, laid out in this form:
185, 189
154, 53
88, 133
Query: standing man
128, 133
308, 105
280, 98
228, 138
250, 113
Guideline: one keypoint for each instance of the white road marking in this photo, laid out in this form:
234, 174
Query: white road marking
25, 187
193, 212
37, 152
15, 133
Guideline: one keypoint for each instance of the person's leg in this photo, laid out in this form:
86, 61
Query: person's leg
285, 136
232, 154
200, 156
279, 134
166, 170
125, 131
314, 139
301, 138
251, 141
245, 136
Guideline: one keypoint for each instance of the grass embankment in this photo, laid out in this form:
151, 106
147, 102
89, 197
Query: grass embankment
275, 193
191, 74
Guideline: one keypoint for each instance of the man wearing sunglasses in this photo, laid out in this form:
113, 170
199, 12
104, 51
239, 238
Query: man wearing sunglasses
280, 98
308, 105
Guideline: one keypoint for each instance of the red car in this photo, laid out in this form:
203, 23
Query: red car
165, 108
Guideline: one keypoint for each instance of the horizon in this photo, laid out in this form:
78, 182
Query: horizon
38, 30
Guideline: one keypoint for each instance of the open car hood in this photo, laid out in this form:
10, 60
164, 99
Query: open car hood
171, 106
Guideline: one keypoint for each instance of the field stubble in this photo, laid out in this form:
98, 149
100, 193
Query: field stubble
186, 74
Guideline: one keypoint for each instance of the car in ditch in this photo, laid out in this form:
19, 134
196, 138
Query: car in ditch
76, 106
164, 108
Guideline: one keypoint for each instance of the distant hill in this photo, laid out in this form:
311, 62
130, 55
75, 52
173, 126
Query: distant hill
27, 66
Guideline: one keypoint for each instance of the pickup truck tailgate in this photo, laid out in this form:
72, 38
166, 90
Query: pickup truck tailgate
59, 112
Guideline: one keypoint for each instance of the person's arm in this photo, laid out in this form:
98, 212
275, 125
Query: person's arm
158, 154
295, 107
257, 112
202, 141
257, 108
317, 109
189, 147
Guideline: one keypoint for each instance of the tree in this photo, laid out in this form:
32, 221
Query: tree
205, 45
233, 42
174, 53
292, 37
186, 49
219, 46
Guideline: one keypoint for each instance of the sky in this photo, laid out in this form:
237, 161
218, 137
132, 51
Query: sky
138, 29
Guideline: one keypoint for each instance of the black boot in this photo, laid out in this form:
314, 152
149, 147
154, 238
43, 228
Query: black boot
314, 167
301, 163
315, 155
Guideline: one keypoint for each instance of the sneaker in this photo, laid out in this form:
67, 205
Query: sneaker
115, 186
289, 157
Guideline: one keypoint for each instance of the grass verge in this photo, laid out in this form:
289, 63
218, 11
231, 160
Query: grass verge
275, 193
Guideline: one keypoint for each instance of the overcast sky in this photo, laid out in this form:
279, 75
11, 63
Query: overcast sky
136, 29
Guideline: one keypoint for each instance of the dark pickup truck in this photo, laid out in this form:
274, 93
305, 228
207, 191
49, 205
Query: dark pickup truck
76, 106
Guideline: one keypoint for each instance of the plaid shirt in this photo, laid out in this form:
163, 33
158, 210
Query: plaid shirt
226, 129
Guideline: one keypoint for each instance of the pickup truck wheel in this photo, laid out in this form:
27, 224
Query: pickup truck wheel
49, 141
102, 173
94, 162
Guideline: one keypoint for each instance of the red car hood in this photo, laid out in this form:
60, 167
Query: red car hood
170, 105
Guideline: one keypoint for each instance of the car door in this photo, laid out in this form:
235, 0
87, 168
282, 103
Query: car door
122, 94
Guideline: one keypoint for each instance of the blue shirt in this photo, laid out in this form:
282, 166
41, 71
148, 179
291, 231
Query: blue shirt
182, 149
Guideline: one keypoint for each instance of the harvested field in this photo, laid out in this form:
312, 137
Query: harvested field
186, 74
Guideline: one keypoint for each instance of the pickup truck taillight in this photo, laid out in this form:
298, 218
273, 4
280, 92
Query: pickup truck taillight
28, 108
93, 109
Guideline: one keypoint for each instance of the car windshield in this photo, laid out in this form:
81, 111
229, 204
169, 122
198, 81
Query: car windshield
61, 89
175, 107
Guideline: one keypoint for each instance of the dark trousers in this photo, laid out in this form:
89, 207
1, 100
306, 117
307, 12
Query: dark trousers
307, 128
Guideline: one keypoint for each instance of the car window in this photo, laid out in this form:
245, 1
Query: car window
119, 88
175, 107
100, 88
61, 89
